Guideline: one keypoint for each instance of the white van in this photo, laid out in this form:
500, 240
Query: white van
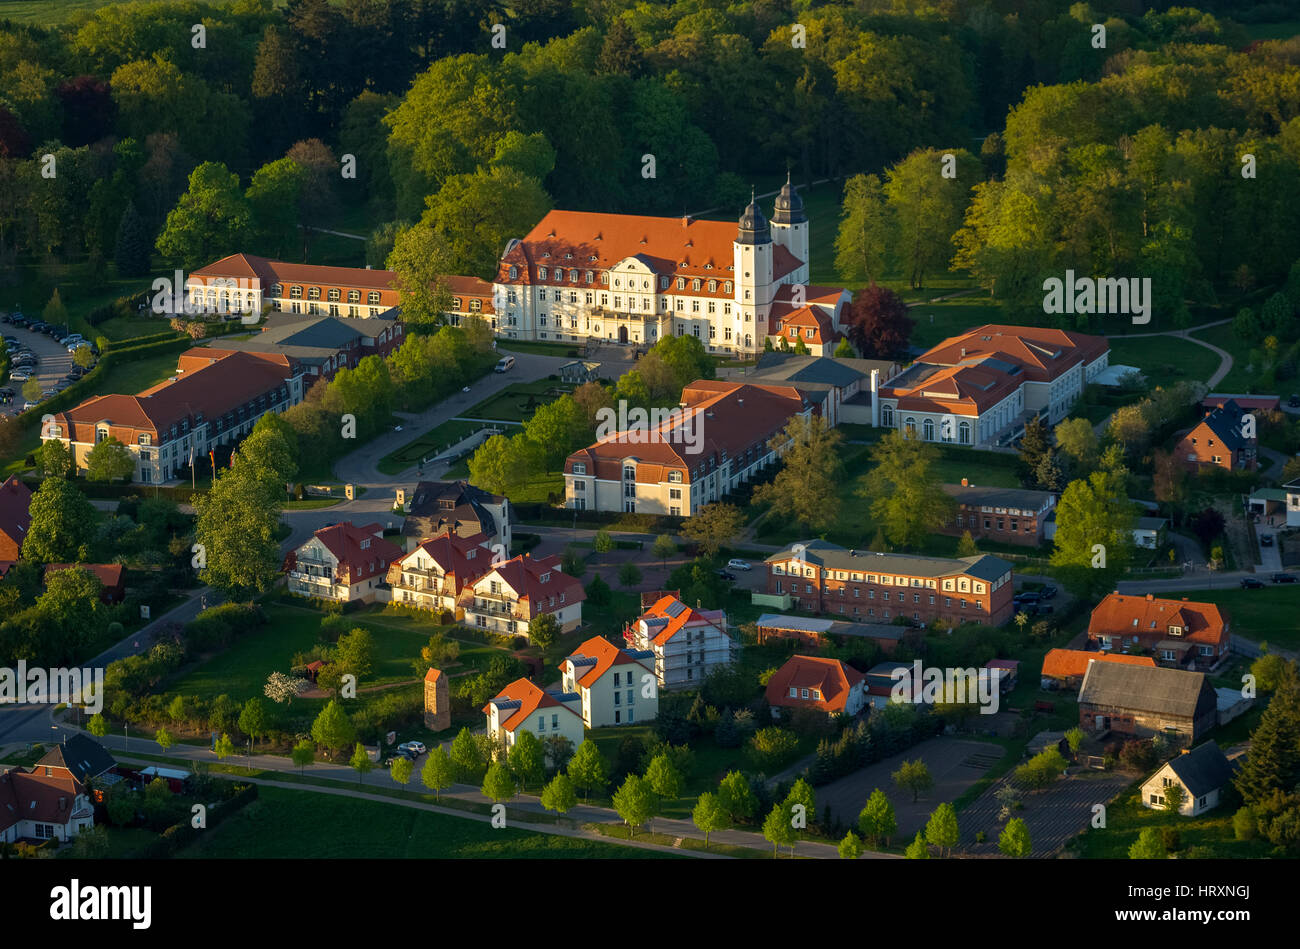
505, 364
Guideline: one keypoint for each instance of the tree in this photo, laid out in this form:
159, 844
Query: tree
629, 575
134, 244
83, 357
466, 757
439, 771
866, 231
527, 759
844, 349
737, 797
877, 324
400, 769
1074, 737
1092, 512
1273, 764
913, 776
588, 769
303, 754
850, 847
54, 458
236, 522
603, 542
477, 213
209, 221
709, 815
1148, 846
917, 849
62, 524
1077, 440
1174, 795
778, 829
97, 725
361, 761
224, 747
807, 486
877, 821
332, 727
714, 526
664, 547
109, 460
559, 795
1130, 429
273, 197
252, 718
906, 499
354, 653
663, 779
941, 831
420, 257
635, 802
1014, 839
543, 630
928, 207
164, 738
282, 689
33, 391
966, 546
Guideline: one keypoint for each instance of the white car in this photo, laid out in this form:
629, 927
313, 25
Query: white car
736, 564
20, 376
415, 747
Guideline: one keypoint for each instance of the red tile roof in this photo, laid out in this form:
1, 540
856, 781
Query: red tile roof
539, 584
680, 616
109, 574
356, 562
1115, 615
270, 272
1067, 663
15, 499
795, 325
461, 559
530, 699
606, 654
1042, 352
830, 677
35, 796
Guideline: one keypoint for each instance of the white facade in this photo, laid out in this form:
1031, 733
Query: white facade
1153, 794
625, 694
545, 722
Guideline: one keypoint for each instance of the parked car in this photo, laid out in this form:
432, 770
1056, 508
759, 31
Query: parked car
505, 364
1266, 540
735, 563
416, 747
1294, 401
726, 576
1251, 583
1285, 578
1047, 592
1025, 599
20, 375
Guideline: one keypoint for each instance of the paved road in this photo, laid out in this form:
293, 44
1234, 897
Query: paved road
55, 362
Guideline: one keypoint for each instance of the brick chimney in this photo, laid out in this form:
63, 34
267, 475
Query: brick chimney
965, 483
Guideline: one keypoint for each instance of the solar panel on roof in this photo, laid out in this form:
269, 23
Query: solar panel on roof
675, 608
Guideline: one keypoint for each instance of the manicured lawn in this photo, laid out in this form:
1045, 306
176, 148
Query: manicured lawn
1164, 360
129, 327
512, 403
286, 824
935, 322
46, 12
311, 504
539, 347
1267, 615
1238, 379
128, 378
241, 670
430, 443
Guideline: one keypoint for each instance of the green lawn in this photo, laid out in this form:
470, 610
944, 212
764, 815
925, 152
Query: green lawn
569, 350
512, 404
1164, 360
129, 327
935, 322
1267, 615
1238, 379
430, 443
287, 824
46, 12
128, 378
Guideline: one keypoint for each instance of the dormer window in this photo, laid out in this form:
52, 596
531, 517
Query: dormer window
1175, 631
544, 578
365, 544
541, 273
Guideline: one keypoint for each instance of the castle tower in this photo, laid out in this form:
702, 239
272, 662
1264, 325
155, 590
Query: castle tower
437, 701
752, 253
790, 228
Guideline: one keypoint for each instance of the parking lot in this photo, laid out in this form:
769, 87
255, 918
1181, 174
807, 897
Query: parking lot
54, 362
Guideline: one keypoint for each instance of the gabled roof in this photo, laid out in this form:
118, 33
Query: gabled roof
669, 616
593, 658
269, 272
538, 582
15, 499
1120, 614
1203, 769
1172, 692
462, 559
986, 496
832, 678
823, 553
1065, 663
521, 698
456, 506
33, 796
806, 371
109, 574
345, 542
1225, 423
81, 755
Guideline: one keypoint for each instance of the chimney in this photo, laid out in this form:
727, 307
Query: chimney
965, 483
367, 266
1151, 596
686, 220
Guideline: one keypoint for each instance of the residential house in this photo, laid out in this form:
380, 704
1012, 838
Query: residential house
438, 571
46, 803
1006, 515
1064, 668
521, 705
343, 562
618, 686
1179, 633
687, 457
458, 507
212, 401
1202, 773
826, 578
511, 594
109, 574
687, 642
86, 759
15, 498
816, 631
1143, 702
827, 685
1149, 532
1219, 440
980, 388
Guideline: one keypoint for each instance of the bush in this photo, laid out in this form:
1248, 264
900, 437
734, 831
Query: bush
1245, 824
772, 748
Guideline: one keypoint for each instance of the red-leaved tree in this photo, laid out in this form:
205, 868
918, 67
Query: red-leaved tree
877, 323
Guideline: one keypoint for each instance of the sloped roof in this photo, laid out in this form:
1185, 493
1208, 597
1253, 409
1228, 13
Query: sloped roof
345, 541
15, 499
823, 553
988, 496
521, 698
832, 678
1142, 688
1225, 423
536, 581
33, 796
669, 616
1065, 663
1120, 614
1203, 769
593, 658
80, 754
463, 559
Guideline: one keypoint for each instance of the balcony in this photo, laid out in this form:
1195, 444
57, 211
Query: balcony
494, 605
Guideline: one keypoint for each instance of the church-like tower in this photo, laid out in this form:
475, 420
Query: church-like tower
790, 228
752, 251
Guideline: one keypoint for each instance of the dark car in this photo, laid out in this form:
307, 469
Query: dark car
1047, 592
1251, 583
1266, 540
1285, 578
1025, 599
1294, 401
726, 576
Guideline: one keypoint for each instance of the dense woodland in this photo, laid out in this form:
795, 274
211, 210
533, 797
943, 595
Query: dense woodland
1108, 160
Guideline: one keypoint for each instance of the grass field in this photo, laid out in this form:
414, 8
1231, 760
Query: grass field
512, 403
1164, 360
46, 12
1267, 615
286, 824
1239, 378
431, 442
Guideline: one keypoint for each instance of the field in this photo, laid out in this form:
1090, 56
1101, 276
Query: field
287, 824
1164, 360
46, 12
1266, 615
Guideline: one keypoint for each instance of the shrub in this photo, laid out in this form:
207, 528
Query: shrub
771, 748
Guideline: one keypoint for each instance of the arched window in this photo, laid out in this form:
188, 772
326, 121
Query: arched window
963, 433
928, 427
295, 293
887, 416
354, 296
334, 294
372, 297
514, 273
275, 290
910, 424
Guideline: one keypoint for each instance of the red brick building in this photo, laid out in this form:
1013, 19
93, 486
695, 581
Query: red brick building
822, 577
1006, 515
1217, 441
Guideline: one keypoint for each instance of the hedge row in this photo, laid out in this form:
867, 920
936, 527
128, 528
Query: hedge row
180, 835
